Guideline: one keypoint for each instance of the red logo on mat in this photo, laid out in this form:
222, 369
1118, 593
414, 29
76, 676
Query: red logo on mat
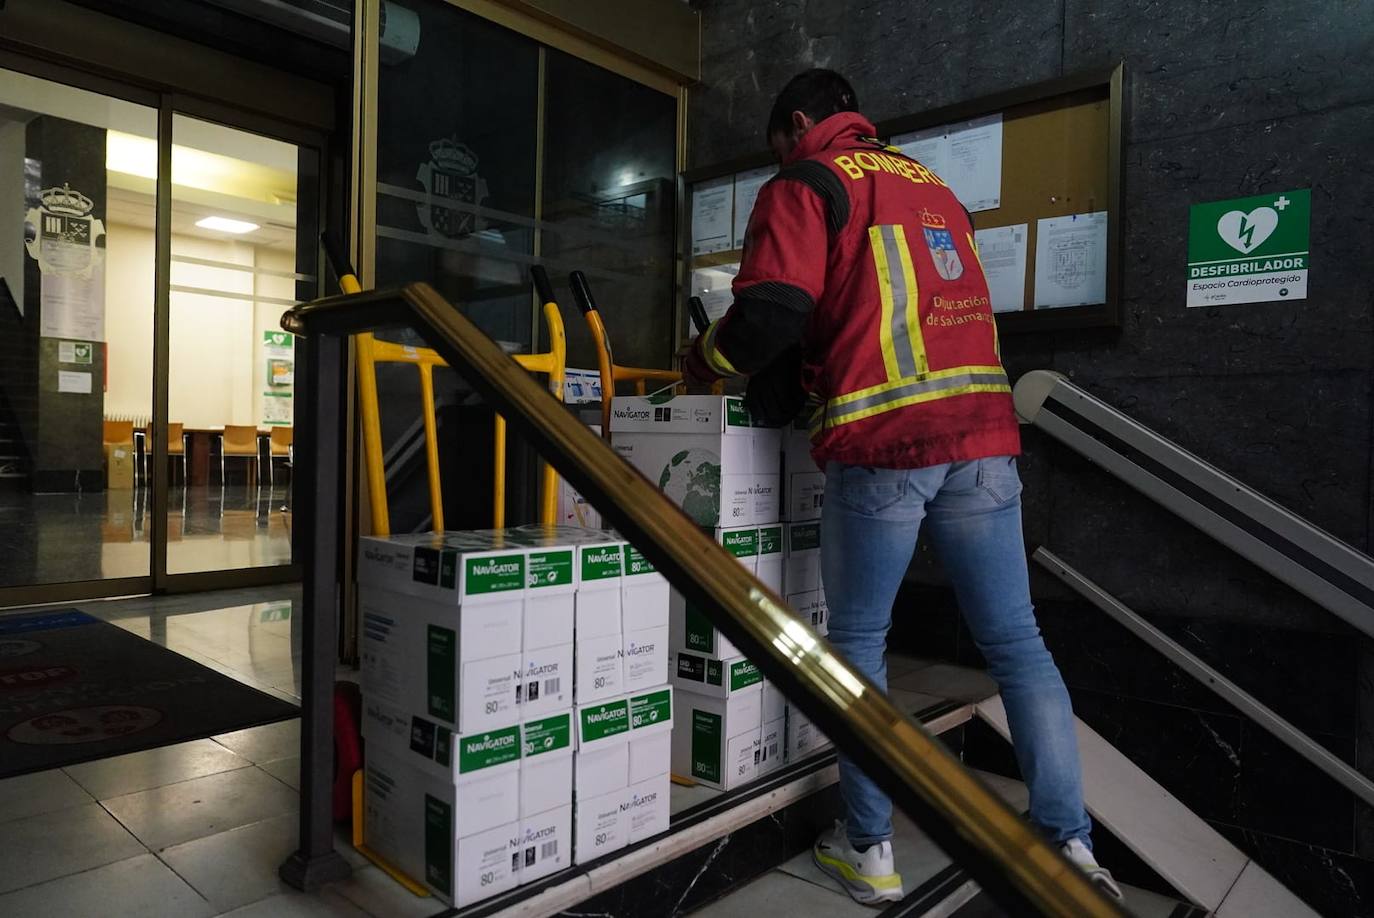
31, 678
84, 725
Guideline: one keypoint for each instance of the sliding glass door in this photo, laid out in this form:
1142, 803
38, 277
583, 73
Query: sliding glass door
147, 250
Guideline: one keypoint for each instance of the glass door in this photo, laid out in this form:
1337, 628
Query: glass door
78, 170
244, 231
146, 256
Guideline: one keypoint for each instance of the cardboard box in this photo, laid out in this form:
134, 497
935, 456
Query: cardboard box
647, 808
599, 667
716, 678
546, 763
119, 467
774, 702
770, 558
804, 738
772, 746
691, 628
644, 593
598, 603
573, 508
803, 482
550, 597
425, 826
646, 658
546, 843
430, 747
802, 557
601, 764
545, 680
451, 568
456, 665
600, 825
706, 455
716, 741
651, 734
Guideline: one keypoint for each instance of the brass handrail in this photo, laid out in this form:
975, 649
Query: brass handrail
966, 819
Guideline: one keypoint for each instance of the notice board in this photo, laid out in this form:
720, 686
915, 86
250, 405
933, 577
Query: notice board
1061, 164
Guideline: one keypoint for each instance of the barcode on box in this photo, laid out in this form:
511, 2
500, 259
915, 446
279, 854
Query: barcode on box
553, 686
548, 850
773, 750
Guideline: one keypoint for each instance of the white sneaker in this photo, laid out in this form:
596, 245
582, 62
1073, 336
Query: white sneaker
868, 876
1082, 856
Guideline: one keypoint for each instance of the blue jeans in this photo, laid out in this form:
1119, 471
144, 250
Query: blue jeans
973, 514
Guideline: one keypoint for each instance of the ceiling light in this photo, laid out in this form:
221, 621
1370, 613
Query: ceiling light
226, 225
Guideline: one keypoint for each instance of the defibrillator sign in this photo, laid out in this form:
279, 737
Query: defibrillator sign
1249, 250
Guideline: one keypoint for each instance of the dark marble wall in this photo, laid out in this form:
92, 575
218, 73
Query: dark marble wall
1225, 99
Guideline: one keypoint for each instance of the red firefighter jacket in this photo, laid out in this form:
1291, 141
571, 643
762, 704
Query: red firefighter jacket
867, 259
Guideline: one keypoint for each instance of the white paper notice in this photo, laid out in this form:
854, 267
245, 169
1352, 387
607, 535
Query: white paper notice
711, 213
929, 147
73, 306
747, 185
1002, 251
967, 156
713, 286
1071, 261
68, 381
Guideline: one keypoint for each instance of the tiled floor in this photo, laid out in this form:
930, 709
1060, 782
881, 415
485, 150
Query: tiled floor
199, 829
51, 538
195, 829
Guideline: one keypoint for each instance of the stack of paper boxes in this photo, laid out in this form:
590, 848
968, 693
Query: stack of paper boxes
803, 487
624, 707
709, 458
474, 678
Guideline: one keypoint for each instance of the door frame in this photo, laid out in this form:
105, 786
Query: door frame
166, 63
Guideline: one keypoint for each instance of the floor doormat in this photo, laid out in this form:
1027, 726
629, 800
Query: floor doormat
74, 688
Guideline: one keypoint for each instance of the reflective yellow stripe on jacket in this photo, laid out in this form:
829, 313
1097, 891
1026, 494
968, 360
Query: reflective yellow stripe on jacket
899, 332
927, 387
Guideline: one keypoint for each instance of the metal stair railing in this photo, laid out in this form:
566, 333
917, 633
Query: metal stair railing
1002, 852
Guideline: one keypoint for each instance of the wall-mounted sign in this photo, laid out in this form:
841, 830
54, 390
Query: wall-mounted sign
1249, 250
70, 262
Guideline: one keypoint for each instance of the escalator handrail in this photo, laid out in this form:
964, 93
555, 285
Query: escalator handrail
1331, 573
967, 820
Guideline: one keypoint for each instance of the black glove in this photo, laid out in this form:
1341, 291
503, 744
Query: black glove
775, 395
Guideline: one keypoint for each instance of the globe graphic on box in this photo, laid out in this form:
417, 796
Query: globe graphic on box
691, 479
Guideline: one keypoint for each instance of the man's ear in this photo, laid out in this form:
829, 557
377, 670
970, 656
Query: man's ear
801, 123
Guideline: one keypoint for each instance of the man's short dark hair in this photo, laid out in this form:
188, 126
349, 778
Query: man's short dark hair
816, 93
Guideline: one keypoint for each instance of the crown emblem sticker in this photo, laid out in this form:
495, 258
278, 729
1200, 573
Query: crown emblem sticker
941, 245
454, 188
64, 234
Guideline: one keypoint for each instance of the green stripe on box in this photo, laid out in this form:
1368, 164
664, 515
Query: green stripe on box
605, 720
548, 735
441, 672
805, 536
485, 750
744, 674
635, 563
736, 415
706, 745
439, 836
550, 568
651, 709
742, 543
601, 563
495, 575
770, 540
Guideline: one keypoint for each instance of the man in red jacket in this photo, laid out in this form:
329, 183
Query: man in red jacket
861, 292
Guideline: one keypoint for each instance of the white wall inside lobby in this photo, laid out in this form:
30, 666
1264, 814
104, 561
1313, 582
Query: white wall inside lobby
217, 364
